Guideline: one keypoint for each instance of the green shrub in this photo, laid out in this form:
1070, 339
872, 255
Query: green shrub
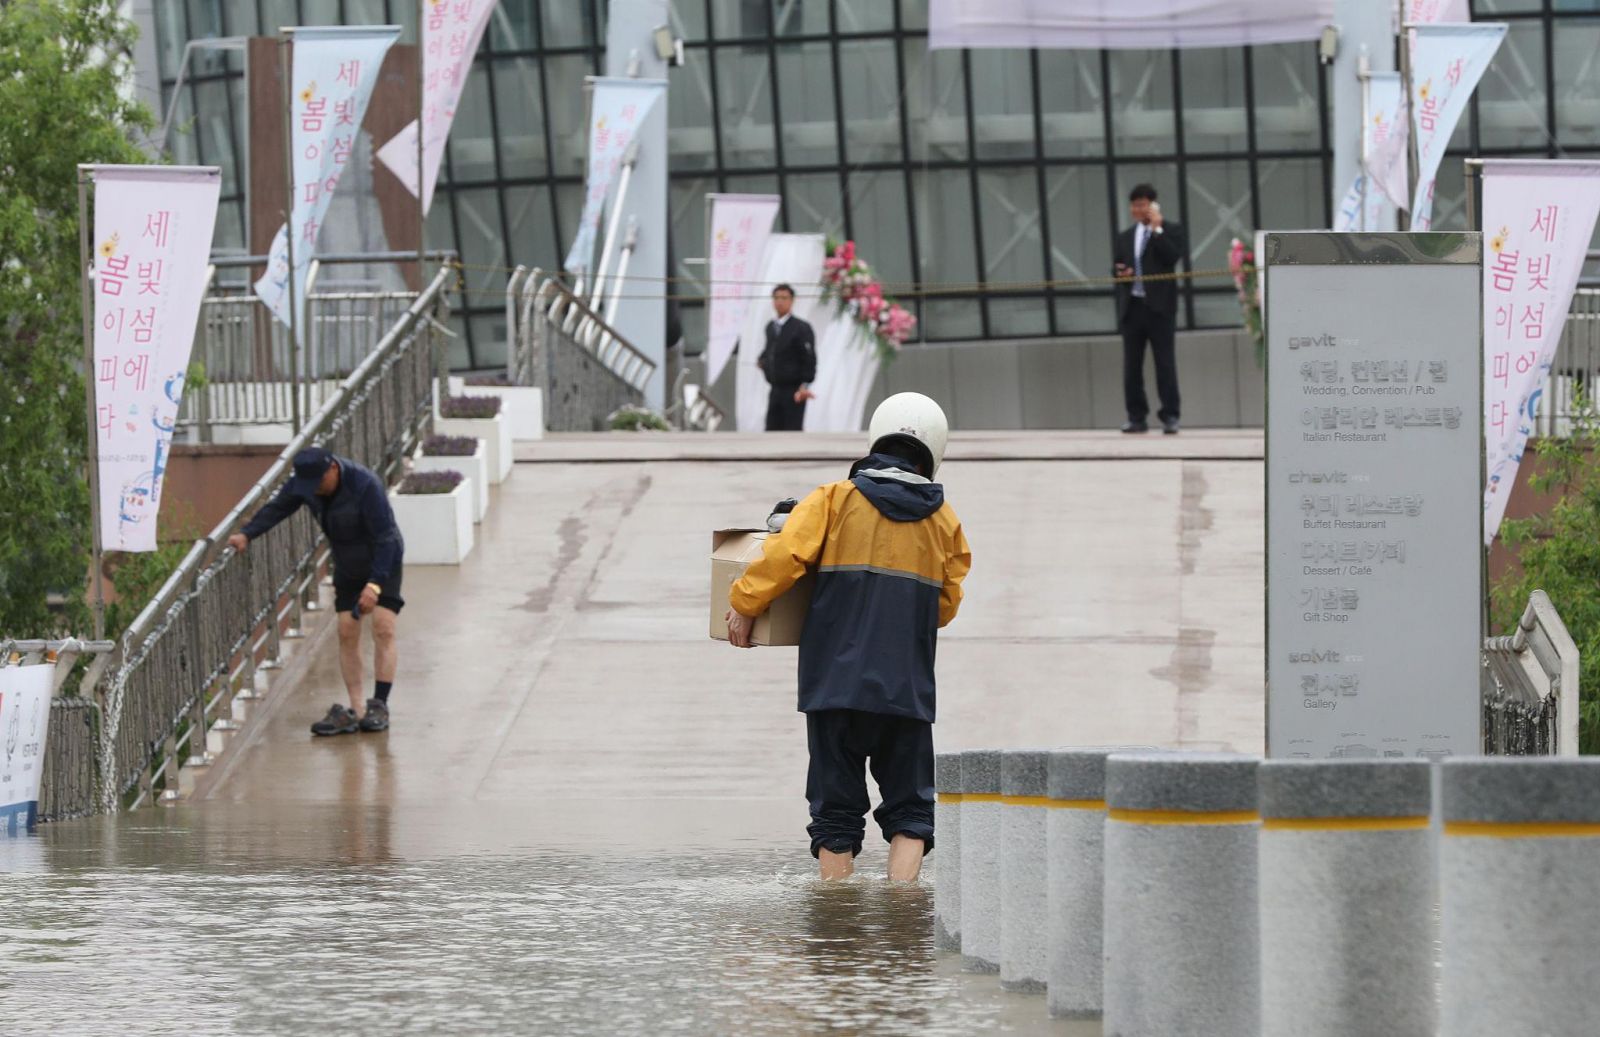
638, 419
1559, 553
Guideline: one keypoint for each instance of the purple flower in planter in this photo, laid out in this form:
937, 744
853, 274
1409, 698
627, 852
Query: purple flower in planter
431, 482
449, 446
469, 407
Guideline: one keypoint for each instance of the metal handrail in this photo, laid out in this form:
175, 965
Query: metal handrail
1530, 685
370, 392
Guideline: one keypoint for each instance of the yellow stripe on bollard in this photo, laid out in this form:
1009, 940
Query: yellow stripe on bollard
1343, 824
1522, 829
1184, 817
982, 797
1027, 801
950, 797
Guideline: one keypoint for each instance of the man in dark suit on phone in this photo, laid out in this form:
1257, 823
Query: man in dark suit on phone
1147, 310
790, 363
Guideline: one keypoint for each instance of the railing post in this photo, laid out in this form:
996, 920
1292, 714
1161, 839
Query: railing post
1520, 895
980, 860
1347, 862
947, 855
1181, 939
1075, 837
1024, 871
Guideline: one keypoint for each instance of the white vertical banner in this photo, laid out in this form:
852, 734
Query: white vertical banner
1385, 113
1419, 12
24, 722
333, 72
1538, 217
738, 226
450, 37
152, 240
1446, 63
794, 259
616, 109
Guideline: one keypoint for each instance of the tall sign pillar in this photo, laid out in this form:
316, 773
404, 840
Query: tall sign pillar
1374, 494
641, 314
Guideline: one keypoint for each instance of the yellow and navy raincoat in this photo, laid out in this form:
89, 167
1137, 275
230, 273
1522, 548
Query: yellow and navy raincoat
890, 556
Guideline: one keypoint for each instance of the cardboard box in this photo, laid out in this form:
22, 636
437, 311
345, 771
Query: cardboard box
732, 551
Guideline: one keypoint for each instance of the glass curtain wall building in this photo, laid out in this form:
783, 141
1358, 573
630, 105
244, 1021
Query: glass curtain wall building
987, 184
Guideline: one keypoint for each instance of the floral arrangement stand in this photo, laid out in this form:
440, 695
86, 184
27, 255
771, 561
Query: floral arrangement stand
1247, 281
524, 404
434, 512
480, 418
856, 290
463, 454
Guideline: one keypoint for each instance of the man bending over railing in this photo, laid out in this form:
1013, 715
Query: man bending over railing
353, 508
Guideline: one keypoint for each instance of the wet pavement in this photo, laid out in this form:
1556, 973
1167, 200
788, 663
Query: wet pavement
364, 920
588, 818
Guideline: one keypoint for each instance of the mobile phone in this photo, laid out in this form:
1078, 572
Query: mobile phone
1155, 206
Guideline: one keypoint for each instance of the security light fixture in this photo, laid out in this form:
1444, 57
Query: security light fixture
1328, 45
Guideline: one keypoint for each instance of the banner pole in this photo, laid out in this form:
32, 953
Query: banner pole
1472, 169
1363, 71
92, 459
286, 64
1411, 123
422, 104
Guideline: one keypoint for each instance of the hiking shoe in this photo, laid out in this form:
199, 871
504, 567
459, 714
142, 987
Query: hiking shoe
341, 720
377, 718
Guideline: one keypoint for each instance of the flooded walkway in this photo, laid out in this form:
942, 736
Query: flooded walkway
587, 818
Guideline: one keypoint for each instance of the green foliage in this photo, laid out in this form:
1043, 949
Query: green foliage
638, 419
62, 63
1559, 552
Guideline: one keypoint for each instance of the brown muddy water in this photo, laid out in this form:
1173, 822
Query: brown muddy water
289, 919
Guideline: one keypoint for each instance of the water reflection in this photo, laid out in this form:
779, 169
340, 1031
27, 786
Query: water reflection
304, 919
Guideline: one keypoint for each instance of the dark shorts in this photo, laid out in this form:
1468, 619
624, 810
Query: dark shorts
899, 750
347, 590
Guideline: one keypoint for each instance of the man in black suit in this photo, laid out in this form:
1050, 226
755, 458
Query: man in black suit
790, 363
1147, 310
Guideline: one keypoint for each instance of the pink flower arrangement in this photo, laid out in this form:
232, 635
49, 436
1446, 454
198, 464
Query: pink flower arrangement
848, 279
1246, 279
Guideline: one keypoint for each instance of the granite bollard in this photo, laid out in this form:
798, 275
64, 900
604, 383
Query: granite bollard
1024, 871
1181, 940
947, 854
980, 860
1075, 835
1347, 897
1520, 896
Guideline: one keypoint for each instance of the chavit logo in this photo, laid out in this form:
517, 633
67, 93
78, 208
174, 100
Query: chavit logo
1322, 341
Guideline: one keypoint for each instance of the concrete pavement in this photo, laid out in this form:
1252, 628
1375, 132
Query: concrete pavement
1116, 597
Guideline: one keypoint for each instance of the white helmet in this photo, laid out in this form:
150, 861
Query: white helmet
912, 417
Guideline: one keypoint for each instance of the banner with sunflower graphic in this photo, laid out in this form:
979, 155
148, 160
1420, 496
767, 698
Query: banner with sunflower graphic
1447, 60
152, 233
1538, 217
334, 71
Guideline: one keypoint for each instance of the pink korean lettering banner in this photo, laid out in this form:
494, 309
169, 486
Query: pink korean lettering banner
1538, 218
739, 226
616, 110
450, 37
1385, 114
1124, 24
1447, 61
333, 73
1420, 12
152, 240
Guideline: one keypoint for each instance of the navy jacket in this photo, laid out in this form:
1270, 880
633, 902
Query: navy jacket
357, 520
890, 555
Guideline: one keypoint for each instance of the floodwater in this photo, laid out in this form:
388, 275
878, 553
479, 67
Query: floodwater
221, 919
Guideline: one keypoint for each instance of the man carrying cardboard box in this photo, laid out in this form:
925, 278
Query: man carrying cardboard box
889, 557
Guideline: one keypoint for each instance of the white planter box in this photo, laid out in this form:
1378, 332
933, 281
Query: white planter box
523, 410
437, 526
475, 468
496, 436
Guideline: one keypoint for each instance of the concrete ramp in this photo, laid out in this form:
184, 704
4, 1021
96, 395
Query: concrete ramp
1116, 596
